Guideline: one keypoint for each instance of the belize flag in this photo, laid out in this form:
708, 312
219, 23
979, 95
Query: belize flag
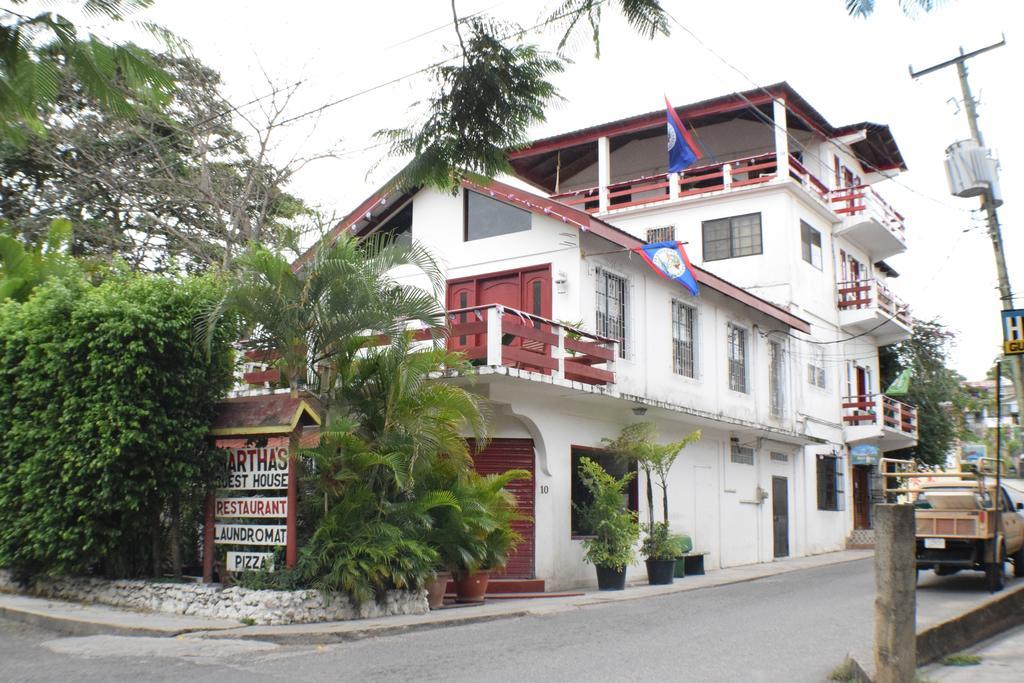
682, 150
669, 259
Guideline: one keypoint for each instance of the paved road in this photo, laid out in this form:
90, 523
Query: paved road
791, 627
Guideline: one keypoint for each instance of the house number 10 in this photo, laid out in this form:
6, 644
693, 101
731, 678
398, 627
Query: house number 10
544, 488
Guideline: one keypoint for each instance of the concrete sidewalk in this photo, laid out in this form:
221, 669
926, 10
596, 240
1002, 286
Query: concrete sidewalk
1001, 660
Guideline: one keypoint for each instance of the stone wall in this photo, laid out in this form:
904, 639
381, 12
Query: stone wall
214, 601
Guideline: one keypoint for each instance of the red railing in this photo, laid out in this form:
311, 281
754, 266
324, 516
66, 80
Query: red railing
883, 411
696, 180
861, 201
502, 336
869, 293
806, 178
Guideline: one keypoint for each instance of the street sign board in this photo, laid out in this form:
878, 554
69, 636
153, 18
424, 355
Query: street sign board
250, 534
250, 562
251, 507
1013, 332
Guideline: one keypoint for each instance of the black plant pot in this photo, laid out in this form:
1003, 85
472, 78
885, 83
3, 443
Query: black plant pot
611, 579
660, 572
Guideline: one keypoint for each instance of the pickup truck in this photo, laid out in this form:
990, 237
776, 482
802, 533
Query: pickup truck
956, 528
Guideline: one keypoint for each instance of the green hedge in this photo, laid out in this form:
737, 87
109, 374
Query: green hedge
105, 406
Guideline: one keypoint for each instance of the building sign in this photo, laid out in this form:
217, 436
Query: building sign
1013, 332
251, 507
256, 469
250, 562
250, 534
864, 454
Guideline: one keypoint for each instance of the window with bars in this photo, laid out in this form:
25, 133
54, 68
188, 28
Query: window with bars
779, 457
613, 308
816, 368
737, 354
776, 379
731, 237
810, 244
684, 327
665, 233
830, 482
741, 455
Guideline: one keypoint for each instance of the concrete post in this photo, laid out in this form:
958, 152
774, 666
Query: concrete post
895, 594
781, 140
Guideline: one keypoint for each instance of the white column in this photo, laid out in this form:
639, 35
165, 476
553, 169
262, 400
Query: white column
558, 351
726, 176
494, 335
673, 185
781, 139
604, 172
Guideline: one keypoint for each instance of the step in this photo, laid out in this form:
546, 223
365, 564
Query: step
501, 586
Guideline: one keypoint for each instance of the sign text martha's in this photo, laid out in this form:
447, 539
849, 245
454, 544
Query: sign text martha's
256, 468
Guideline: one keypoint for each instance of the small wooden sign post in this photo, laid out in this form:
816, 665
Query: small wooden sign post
261, 436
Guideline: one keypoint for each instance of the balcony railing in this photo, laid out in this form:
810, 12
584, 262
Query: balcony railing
863, 202
879, 410
502, 336
869, 293
697, 180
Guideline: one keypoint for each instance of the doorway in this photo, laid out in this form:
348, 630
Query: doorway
780, 516
862, 496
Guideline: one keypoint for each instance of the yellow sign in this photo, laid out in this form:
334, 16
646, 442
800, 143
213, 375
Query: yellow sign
1013, 332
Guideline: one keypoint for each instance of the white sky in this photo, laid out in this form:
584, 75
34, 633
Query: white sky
850, 70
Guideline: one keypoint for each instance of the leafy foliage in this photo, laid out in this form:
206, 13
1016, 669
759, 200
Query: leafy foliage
935, 389
105, 413
638, 443
484, 107
34, 49
22, 270
647, 17
615, 528
662, 544
165, 190
865, 8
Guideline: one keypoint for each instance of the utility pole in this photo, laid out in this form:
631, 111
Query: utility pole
988, 202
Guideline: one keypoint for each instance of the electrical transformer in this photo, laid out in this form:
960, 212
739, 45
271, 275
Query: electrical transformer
972, 171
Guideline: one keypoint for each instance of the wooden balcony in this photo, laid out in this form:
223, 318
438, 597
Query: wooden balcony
890, 423
496, 335
869, 307
869, 221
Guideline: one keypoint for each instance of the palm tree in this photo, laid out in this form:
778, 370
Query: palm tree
23, 269
314, 318
863, 8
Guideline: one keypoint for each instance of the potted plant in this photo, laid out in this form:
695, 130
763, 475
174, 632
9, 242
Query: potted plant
615, 528
638, 443
475, 538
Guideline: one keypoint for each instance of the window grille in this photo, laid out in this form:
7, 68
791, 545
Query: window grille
779, 457
731, 237
816, 367
613, 308
830, 483
776, 379
663, 234
741, 455
737, 353
683, 347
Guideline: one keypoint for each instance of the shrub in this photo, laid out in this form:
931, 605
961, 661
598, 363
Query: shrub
105, 411
615, 528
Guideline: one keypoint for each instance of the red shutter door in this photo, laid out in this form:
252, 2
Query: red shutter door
502, 455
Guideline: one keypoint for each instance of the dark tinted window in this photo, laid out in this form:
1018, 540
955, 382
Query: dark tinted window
487, 217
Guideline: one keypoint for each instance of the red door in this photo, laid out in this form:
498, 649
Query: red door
499, 456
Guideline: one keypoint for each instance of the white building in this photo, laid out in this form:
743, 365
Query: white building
775, 360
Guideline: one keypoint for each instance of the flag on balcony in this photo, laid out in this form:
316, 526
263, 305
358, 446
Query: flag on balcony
671, 262
901, 385
682, 150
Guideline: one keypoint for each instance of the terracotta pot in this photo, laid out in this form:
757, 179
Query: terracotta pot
436, 588
472, 587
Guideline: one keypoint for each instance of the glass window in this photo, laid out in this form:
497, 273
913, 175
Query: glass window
816, 368
737, 354
581, 496
741, 455
486, 217
684, 361
830, 482
810, 244
663, 234
613, 308
731, 237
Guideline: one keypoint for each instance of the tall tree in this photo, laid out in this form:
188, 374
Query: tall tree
864, 8
935, 389
181, 188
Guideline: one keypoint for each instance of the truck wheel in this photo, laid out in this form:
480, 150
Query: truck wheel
994, 572
1018, 563
941, 570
